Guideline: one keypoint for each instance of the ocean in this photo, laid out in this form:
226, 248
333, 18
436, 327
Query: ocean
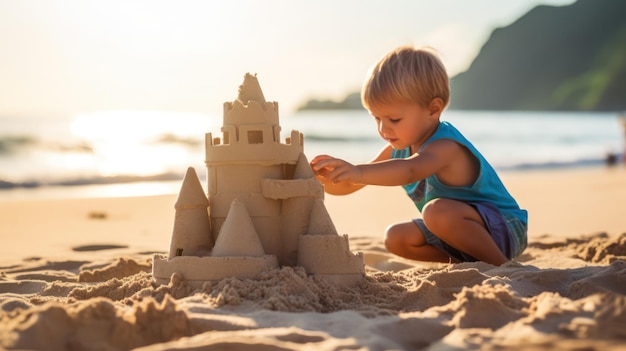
131, 153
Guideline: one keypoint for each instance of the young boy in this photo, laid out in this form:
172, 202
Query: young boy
467, 213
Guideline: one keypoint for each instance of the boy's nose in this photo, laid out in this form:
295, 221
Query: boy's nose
382, 128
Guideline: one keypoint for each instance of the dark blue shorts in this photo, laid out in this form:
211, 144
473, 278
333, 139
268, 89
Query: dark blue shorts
509, 233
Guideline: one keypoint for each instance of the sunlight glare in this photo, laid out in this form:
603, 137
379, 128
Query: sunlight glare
140, 142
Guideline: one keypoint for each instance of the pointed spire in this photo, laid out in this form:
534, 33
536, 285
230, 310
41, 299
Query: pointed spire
237, 236
320, 222
303, 168
192, 229
250, 90
191, 192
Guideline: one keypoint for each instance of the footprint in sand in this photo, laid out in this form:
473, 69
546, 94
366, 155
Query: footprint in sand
98, 247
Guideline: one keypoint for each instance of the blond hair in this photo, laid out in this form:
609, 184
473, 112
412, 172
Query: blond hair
406, 75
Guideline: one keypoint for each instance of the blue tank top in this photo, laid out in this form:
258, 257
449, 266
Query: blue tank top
487, 188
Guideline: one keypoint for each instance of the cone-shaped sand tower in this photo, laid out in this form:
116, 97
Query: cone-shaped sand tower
264, 206
246, 242
191, 223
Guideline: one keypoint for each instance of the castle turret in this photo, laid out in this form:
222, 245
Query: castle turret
250, 90
249, 151
238, 236
320, 222
192, 233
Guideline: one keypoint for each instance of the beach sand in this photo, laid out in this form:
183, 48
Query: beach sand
75, 275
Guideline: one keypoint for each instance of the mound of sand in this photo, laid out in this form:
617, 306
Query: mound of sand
565, 294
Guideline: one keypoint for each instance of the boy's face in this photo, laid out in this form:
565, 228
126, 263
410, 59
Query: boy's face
405, 124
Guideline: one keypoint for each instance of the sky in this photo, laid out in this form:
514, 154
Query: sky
60, 58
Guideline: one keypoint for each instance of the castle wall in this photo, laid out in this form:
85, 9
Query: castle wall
295, 223
240, 179
244, 151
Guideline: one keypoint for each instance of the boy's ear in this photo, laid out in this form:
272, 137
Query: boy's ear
435, 106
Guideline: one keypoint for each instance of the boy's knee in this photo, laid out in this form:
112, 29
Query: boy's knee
437, 214
435, 209
392, 237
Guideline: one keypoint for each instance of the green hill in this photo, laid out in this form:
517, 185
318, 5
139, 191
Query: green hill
552, 58
350, 102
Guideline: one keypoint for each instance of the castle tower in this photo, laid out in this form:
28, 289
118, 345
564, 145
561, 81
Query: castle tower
249, 151
191, 234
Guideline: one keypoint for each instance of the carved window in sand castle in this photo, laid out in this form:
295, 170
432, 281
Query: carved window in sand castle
255, 137
256, 134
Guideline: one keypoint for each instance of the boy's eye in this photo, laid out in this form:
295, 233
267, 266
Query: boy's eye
394, 120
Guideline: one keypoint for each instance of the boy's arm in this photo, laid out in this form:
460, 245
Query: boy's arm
433, 158
399, 171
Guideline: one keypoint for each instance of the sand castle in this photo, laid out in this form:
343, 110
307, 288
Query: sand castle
264, 207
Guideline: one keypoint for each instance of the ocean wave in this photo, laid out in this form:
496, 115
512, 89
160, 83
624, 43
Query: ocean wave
170, 138
14, 144
11, 143
93, 180
588, 162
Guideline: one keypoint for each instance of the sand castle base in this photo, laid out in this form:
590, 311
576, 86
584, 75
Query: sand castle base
217, 268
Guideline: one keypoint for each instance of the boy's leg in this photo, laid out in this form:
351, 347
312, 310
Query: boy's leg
461, 226
407, 240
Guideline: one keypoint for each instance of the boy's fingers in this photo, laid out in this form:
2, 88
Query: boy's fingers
329, 162
321, 164
336, 175
318, 158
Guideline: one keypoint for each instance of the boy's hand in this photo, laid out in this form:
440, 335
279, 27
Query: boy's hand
330, 169
320, 172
